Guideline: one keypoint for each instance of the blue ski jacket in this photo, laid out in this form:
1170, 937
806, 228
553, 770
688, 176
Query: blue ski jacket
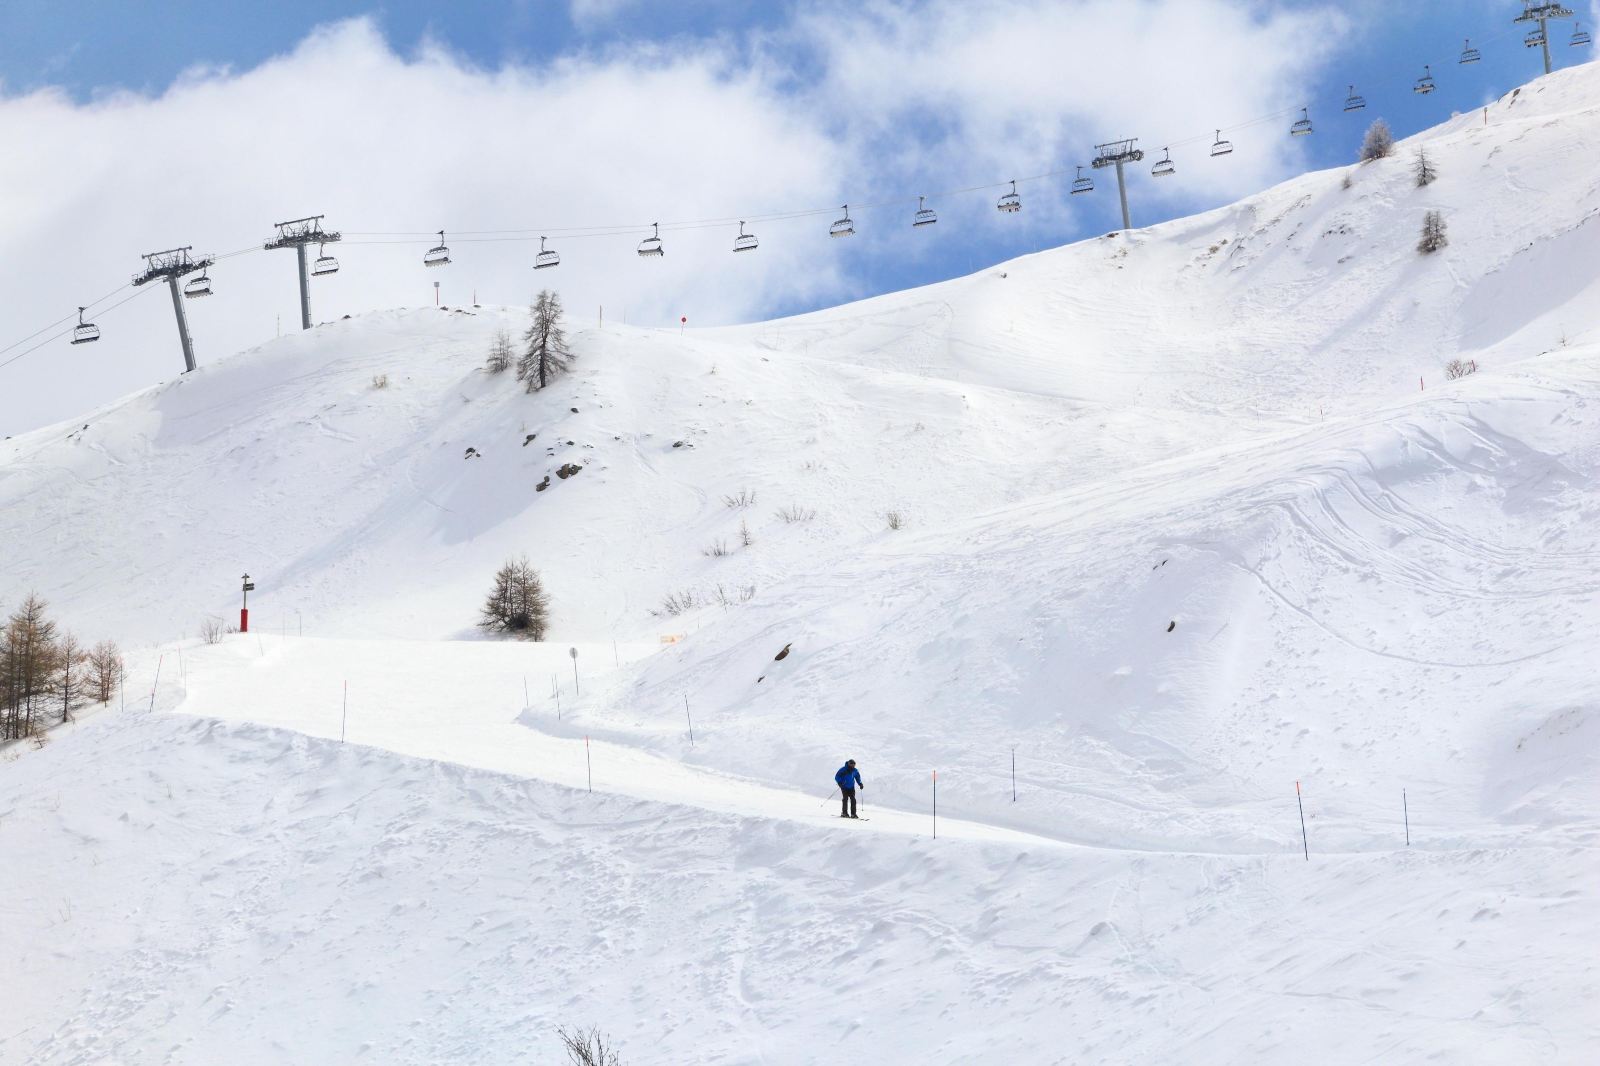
848, 777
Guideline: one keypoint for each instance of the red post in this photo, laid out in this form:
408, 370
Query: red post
244, 619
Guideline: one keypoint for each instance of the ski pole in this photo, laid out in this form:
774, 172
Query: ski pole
1301, 804
831, 795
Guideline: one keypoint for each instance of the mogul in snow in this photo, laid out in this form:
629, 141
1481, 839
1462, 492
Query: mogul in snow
848, 779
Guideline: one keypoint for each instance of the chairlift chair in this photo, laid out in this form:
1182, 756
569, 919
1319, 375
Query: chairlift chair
651, 246
1221, 147
324, 265
1534, 39
744, 242
1010, 202
546, 258
1354, 102
1081, 183
1302, 126
438, 255
844, 227
85, 332
924, 215
1164, 168
1580, 36
1469, 54
200, 286
1424, 84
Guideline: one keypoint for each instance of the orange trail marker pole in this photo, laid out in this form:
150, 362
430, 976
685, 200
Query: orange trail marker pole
1303, 842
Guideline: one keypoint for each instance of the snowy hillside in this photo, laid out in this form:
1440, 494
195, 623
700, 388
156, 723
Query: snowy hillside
1190, 515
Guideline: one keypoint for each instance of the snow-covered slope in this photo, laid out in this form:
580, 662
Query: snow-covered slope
355, 506
1182, 533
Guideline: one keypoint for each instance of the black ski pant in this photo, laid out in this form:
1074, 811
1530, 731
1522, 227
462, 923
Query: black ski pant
847, 803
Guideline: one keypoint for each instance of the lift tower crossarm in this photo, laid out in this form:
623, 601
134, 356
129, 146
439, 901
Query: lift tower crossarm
172, 265
1533, 11
1115, 154
298, 234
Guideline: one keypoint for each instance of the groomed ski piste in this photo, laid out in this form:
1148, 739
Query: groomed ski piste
1190, 517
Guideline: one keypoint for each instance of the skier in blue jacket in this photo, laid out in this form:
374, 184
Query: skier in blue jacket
848, 779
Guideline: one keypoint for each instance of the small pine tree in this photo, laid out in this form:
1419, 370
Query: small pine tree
500, 353
1424, 169
1378, 143
105, 670
518, 603
1433, 236
29, 661
70, 676
547, 353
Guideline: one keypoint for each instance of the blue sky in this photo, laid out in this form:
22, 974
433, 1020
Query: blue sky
406, 116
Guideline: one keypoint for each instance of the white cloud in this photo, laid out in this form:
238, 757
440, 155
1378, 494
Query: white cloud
896, 98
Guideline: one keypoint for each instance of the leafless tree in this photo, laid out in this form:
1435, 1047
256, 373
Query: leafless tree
518, 602
105, 670
500, 353
1424, 170
588, 1048
547, 353
1433, 235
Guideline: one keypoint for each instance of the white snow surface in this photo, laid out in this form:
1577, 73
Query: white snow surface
1192, 519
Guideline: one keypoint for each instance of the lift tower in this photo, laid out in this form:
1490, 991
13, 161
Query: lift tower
173, 264
1534, 11
298, 234
1114, 155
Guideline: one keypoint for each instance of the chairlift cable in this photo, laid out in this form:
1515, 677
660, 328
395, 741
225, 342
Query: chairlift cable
57, 336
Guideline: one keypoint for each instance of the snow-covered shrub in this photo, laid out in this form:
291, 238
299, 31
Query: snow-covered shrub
677, 603
1378, 143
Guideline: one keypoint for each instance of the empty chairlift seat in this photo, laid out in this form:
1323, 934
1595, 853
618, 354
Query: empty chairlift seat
745, 242
1220, 146
1469, 54
546, 258
844, 227
438, 255
1354, 101
1010, 202
651, 246
85, 332
924, 215
1580, 36
200, 286
1082, 183
1164, 167
1302, 126
324, 265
